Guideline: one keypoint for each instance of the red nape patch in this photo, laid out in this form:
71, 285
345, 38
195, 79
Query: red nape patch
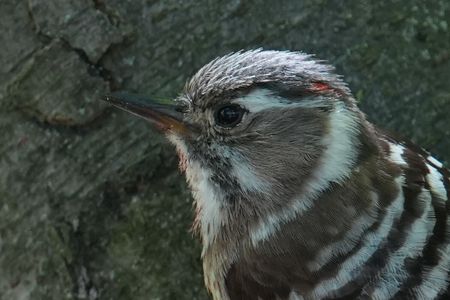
320, 87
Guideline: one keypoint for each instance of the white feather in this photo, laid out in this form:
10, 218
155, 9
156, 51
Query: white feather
436, 279
394, 273
434, 161
351, 267
243, 171
347, 243
207, 195
263, 99
334, 166
436, 182
295, 296
397, 154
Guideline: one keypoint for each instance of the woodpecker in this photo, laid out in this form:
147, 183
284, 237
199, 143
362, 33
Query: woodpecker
297, 195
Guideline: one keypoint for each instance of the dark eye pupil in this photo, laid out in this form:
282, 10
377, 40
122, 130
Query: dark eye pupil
229, 115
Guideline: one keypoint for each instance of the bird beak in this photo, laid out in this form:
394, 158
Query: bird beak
165, 115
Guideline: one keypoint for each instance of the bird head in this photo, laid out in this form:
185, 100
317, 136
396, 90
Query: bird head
254, 130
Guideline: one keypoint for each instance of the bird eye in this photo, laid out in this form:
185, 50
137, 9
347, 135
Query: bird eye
229, 116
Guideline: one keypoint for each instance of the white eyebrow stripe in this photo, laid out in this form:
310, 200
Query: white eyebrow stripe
263, 99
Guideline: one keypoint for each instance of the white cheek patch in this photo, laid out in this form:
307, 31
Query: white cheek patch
241, 169
335, 165
247, 178
341, 149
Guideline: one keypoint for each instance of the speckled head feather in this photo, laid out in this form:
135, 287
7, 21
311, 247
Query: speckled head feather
245, 69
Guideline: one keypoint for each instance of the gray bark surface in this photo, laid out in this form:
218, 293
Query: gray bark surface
91, 203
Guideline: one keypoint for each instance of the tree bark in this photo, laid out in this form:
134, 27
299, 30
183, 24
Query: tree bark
91, 203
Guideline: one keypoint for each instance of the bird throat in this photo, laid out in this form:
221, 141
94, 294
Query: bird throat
182, 160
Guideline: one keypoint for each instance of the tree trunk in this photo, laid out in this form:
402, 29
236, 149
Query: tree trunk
91, 203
